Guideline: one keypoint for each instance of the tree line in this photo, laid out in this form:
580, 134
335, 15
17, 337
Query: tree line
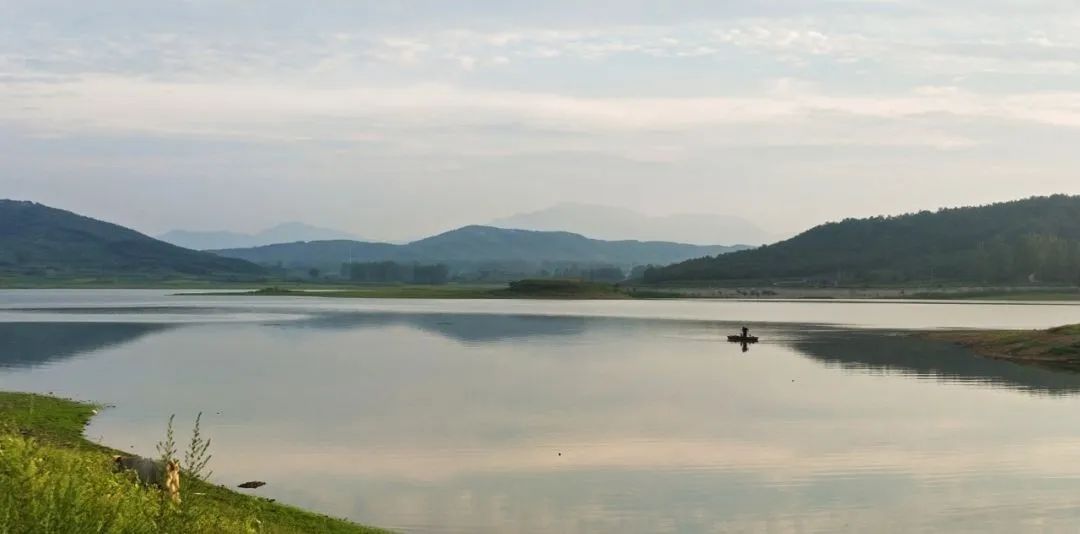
435, 274
394, 272
1032, 240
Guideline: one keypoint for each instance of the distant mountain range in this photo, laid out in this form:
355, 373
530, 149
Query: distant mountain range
1036, 240
37, 240
612, 223
597, 222
474, 245
283, 233
1025, 241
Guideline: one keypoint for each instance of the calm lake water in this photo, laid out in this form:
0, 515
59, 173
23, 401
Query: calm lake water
527, 416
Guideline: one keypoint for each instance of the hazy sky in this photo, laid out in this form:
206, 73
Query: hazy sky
393, 119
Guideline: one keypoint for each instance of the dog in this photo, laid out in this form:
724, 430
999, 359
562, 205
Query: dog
164, 475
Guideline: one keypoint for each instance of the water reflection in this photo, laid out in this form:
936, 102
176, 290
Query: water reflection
488, 328
903, 353
487, 423
468, 328
34, 344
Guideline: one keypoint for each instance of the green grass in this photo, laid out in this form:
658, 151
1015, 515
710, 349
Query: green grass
49, 420
1064, 294
54, 480
1068, 330
157, 283
1066, 350
377, 292
562, 289
640, 293
123, 282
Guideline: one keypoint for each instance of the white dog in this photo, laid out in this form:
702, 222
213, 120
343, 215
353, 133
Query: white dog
153, 473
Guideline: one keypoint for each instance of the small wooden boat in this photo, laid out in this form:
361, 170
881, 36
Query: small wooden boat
742, 339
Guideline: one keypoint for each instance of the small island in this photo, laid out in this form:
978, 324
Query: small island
1057, 347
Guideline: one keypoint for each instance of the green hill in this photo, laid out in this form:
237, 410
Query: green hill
39, 241
476, 245
1012, 242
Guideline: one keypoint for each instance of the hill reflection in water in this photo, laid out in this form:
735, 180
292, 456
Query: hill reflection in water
35, 344
467, 328
907, 354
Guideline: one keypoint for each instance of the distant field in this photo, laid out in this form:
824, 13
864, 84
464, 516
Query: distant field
538, 289
178, 283
119, 283
1019, 295
379, 292
631, 290
767, 291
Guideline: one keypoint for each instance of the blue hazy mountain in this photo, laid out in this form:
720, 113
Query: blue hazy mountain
480, 244
288, 232
613, 223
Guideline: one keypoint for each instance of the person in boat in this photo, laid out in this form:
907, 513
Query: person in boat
745, 332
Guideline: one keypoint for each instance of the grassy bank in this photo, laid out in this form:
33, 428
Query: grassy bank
54, 480
561, 289
768, 291
170, 283
107, 282
571, 290
377, 292
1056, 347
1052, 295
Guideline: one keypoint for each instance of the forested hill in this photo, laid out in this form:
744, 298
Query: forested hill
472, 244
37, 240
1000, 243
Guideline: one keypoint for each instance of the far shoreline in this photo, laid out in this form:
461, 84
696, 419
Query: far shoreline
748, 291
575, 290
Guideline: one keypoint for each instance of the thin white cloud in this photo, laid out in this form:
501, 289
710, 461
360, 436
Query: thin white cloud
646, 94
278, 111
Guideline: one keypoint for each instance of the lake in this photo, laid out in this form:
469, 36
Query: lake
557, 416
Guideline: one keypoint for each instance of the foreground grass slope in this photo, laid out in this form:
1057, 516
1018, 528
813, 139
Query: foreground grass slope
55, 481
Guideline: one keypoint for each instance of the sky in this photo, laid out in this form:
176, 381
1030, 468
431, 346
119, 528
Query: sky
396, 119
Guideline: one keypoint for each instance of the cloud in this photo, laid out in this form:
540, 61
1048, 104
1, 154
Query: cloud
647, 94
296, 112
399, 51
921, 38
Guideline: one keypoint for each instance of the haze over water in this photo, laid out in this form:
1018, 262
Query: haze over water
529, 416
